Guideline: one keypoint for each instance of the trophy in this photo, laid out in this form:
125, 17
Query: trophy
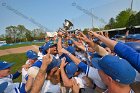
66, 26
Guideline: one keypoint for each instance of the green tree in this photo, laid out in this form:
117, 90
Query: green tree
95, 29
85, 31
137, 18
42, 36
38, 34
111, 24
8, 40
123, 18
21, 32
2, 37
11, 32
131, 21
28, 36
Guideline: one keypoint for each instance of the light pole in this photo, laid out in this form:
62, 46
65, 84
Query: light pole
131, 5
92, 17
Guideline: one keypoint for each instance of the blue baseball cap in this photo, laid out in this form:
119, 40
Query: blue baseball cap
134, 45
31, 54
5, 65
71, 49
130, 36
54, 63
96, 55
136, 36
113, 38
117, 68
70, 42
70, 69
103, 45
91, 54
48, 45
133, 36
41, 48
95, 61
3, 86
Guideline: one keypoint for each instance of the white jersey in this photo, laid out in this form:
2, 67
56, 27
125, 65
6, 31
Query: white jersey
79, 79
40, 55
24, 73
94, 75
81, 56
12, 87
48, 87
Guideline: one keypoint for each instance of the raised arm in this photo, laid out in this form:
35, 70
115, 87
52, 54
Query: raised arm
97, 48
29, 84
59, 44
40, 78
122, 50
67, 82
79, 45
72, 57
110, 43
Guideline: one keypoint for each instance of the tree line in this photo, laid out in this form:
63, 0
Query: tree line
19, 33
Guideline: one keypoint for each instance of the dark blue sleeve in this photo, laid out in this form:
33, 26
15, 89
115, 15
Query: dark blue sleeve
129, 54
84, 67
16, 75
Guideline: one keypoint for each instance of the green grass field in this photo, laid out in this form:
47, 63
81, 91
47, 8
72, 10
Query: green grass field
18, 59
20, 45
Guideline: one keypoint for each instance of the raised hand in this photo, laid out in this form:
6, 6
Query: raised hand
63, 63
47, 59
60, 34
75, 86
83, 37
94, 33
26, 66
106, 35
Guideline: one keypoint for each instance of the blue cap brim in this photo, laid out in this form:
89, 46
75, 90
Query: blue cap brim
70, 75
9, 65
3, 86
95, 63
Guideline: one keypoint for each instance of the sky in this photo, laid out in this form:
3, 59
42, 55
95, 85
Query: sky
52, 13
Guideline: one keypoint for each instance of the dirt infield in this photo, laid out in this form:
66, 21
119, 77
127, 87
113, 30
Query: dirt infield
18, 50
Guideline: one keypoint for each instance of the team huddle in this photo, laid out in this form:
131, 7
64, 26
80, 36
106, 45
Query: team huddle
77, 63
